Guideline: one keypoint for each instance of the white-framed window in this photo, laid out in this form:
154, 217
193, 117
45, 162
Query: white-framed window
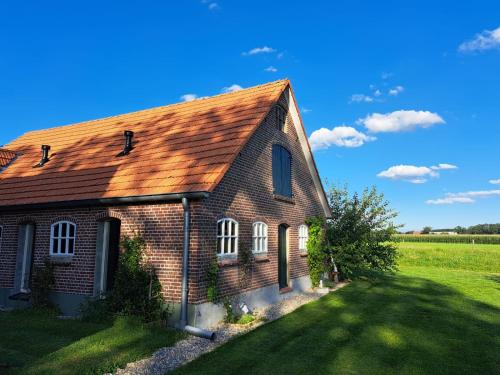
62, 238
227, 237
259, 237
303, 237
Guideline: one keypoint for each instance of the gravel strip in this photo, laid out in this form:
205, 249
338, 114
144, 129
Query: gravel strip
169, 358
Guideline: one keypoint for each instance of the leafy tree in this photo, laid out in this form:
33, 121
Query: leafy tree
357, 238
426, 230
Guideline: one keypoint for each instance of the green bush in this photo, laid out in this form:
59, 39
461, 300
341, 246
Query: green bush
136, 291
357, 239
42, 283
212, 280
316, 249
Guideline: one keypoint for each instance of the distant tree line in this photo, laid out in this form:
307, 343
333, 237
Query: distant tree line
474, 229
479, 229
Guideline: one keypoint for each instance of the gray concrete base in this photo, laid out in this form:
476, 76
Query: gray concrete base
68, 304
206, 315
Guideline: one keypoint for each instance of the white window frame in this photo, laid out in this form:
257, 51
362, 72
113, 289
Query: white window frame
303, 237
60, 237
231, 236
259, 237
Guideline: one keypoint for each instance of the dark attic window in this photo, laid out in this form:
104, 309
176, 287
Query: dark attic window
282, 171
280, 113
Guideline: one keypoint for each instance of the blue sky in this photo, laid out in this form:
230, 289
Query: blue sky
409, 85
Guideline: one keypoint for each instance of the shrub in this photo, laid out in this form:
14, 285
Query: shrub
42, 283
316, 249
360, 232
356, 239
137, 290
212, 280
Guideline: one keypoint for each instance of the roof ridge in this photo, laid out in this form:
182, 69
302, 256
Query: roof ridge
283, 81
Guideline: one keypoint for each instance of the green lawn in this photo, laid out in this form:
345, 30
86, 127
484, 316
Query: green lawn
34, 342
439, 315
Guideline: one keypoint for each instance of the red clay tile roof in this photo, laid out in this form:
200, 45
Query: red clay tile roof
179, 148
6, 156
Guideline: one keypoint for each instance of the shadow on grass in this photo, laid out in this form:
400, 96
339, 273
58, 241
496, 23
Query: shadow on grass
46, 345
391, 325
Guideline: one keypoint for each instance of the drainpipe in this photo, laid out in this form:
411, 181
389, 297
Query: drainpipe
185, 277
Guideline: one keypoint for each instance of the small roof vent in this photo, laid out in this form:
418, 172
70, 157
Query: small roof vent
129, 135
45, 155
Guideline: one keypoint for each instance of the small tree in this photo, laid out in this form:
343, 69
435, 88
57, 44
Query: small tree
357, 237
360, 231
426, 230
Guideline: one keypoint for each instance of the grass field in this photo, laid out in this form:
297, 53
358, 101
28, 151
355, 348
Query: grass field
439, 315
36, 342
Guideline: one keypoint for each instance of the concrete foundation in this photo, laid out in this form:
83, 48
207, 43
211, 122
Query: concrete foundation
205, 315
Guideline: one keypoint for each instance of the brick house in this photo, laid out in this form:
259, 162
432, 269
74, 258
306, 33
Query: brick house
200, 181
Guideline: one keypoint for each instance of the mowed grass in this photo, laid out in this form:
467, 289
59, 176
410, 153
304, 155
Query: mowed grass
438, 315
452, 256
36, 342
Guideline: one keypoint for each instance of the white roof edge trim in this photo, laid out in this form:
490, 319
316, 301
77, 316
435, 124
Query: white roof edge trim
304, 143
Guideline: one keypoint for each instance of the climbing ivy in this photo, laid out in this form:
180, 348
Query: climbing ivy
212, 280
316, 249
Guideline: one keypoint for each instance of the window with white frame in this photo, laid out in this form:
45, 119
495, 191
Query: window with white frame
62, 238
259, 237
227, 237
303, 237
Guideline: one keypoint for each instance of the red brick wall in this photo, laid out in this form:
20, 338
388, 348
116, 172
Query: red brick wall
245, 194
160, 225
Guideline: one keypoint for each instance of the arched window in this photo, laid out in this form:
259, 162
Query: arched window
280, 117
303, 237
259, 237
227, 237
62, 238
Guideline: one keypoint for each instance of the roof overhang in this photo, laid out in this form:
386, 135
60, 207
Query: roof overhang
306, 148
140, 199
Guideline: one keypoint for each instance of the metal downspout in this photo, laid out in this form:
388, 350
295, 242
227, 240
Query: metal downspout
185, 277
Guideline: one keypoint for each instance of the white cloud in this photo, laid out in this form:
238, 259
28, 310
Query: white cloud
488, 39
341, 136
377, 93
399, 121
465, 197
213, 6
495, 182
271, 69
258, 50
414, 174
360, 98
450, 200
396, 90
386, 76
443, 166
233, 88
410, 173
306, 110
189, 97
